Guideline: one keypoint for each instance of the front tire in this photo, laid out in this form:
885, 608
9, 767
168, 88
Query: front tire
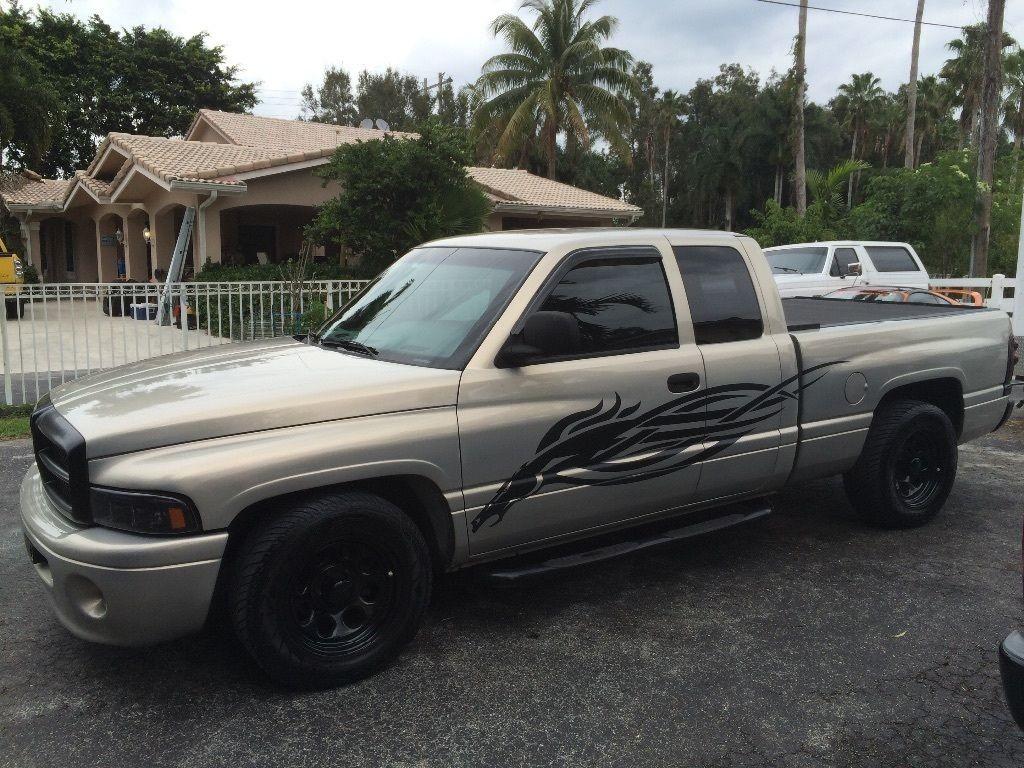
330, 590
907, 467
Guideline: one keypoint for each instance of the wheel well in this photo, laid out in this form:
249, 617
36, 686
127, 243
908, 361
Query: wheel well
946, 394
417, 496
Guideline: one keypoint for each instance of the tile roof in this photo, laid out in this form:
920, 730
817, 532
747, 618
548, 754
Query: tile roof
286, 135
256, 143
512, 187
16, 189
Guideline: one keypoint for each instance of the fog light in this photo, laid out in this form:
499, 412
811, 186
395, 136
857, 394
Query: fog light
85, 596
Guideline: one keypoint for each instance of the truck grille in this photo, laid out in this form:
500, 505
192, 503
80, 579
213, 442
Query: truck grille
60, 456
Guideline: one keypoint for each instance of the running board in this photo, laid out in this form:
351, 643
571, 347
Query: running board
733, 515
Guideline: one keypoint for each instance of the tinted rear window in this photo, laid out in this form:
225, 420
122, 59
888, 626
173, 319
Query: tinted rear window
891, 258
722, 300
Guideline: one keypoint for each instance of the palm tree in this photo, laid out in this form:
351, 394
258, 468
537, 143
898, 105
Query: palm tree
965, 72
825, 187
800, 72
915, 53
857, 99
888, 119
1013, 105
670, 107
933, 106
556, 78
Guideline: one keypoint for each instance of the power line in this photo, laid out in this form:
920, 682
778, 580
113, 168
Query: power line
857, 13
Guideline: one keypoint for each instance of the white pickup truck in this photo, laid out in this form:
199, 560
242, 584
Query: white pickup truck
814, 269
485, 397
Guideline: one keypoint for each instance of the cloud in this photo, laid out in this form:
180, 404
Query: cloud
285, 46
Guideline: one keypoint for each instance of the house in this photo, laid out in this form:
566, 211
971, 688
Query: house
252, 182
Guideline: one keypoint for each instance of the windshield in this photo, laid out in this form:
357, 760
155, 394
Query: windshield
807, 260
431, 307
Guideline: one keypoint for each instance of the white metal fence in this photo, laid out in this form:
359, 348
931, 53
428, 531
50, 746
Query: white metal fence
57, 332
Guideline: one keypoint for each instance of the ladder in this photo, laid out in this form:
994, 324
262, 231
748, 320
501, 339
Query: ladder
164, 313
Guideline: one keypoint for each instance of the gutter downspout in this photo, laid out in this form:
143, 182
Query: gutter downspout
202, 226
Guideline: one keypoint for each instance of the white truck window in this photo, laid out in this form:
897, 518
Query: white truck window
891, 258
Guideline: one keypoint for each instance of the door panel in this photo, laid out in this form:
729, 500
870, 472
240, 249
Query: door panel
561, 447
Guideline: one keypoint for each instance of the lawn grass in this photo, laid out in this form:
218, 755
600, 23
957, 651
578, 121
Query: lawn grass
11, 429
14, 421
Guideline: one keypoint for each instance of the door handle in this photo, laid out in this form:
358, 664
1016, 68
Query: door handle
683, 382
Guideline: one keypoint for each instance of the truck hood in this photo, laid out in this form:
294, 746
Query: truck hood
238, 388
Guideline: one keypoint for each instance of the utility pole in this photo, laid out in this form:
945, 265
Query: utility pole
991, 88
915, 53
442, 81
1018, 291
800, 170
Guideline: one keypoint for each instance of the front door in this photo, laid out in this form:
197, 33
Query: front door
610, 433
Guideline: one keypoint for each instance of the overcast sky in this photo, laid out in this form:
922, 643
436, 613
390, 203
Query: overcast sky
283, 45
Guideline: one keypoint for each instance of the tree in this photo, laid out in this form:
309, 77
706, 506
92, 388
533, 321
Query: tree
670, 107
933, 107
856, 99
135, 81
992, 87
800, 97
332, 102
399, 99
826, 188
915, 53
965, 72
28, 108
557, 77
396, 193
1013, 106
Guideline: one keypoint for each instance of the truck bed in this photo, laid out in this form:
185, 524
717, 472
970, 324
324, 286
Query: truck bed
804, 313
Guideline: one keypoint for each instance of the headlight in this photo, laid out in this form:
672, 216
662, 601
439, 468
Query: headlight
142, 512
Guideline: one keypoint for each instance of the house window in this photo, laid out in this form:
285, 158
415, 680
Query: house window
69, 247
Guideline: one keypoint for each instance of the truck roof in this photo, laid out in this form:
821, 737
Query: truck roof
546, 239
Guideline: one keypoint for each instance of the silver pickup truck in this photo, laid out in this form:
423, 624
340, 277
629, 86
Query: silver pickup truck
485, 398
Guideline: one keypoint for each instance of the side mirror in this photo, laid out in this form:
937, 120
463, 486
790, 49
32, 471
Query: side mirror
544, 334
854, 269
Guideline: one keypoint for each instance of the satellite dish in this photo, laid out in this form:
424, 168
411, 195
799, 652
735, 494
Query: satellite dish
382, 125
366, 123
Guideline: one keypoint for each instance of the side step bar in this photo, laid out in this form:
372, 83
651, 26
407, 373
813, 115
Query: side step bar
731, 515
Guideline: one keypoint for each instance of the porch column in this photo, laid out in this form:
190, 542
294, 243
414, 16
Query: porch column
162, 238
135, 249
33, 253
207, 236
85, 251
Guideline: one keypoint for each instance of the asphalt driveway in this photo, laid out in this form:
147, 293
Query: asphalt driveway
803, 640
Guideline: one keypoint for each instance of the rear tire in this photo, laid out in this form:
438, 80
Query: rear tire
907, 467
329, 590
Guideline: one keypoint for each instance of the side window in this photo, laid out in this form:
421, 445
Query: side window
842, 260
920, 297
891, 258
722, 299
622, 304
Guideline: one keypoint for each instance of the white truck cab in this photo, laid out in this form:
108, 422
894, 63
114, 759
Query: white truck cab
813, 269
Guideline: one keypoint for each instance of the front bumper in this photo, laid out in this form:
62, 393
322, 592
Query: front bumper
1011, 666
119, 588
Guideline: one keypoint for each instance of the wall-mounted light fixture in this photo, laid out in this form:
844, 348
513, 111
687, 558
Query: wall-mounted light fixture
147, 235
119, 236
